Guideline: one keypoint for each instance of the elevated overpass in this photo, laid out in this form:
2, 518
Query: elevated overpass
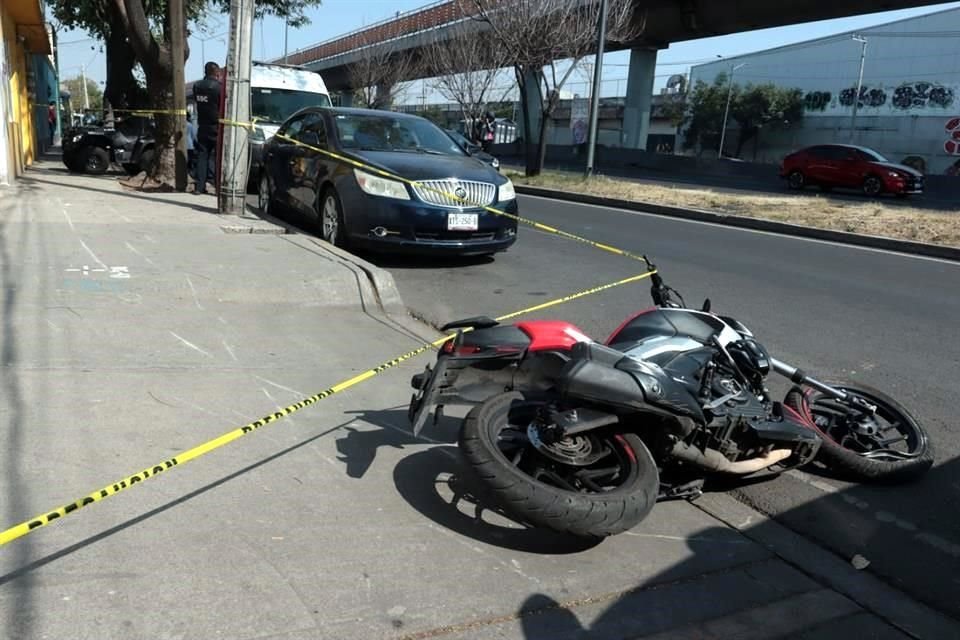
666, 21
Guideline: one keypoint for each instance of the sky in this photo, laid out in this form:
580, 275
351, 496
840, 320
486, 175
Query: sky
337, 17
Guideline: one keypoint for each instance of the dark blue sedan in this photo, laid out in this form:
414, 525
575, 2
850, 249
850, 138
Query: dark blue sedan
360, 208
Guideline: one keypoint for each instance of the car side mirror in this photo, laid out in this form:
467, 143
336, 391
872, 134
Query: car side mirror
706, 306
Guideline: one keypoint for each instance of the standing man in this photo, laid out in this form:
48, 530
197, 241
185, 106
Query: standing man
206, 93
52, 120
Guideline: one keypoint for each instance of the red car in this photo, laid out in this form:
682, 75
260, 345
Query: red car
849, 166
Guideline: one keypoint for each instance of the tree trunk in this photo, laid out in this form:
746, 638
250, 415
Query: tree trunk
542, 144
160, 91
122, 90
528, 157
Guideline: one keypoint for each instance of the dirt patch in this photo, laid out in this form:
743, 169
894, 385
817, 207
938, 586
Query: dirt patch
875, 218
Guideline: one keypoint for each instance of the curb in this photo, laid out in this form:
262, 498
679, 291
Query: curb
870, 592
758, 224
382, 285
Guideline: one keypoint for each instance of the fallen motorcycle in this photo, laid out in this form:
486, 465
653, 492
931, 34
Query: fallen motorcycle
584, 438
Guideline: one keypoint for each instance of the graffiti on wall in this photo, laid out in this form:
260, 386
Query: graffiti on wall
875, 97
817, 100
922, 95
909, 97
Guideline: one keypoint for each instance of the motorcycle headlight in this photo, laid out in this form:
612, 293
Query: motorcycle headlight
377, 186
507, 192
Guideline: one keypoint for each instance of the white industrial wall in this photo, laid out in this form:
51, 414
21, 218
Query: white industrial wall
910, 96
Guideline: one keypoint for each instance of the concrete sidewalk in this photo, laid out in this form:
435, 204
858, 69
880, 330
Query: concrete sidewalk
135, 326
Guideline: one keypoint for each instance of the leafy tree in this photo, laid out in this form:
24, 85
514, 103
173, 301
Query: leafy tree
137, 32
94, 95
765, 106
753, 108
704, 117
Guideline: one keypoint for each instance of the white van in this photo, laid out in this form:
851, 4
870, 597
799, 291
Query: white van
277, 91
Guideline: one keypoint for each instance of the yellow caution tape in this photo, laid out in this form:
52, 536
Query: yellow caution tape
171, 112
46, 518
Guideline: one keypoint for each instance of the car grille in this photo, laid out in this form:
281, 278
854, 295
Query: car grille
476, 194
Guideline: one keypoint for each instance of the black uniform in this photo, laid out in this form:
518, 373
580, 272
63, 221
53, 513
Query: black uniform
206, 93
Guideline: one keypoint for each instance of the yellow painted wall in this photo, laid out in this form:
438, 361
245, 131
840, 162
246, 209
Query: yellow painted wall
20, 134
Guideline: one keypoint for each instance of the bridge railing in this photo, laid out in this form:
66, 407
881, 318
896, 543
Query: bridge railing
439, 14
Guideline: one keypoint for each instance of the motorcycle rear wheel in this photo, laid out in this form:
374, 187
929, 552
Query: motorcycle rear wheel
610, 495
899, 450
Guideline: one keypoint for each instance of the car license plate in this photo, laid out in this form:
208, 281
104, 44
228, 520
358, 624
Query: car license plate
462, 221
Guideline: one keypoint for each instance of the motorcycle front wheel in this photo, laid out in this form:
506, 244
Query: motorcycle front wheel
888, 446
593, 484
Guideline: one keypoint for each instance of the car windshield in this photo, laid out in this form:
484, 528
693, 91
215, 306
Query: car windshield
389, 133
459, 138
873, 156
276, 105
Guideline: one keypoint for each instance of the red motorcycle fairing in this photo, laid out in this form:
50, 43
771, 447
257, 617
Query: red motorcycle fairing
552, 335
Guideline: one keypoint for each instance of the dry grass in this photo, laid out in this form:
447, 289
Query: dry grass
892, 220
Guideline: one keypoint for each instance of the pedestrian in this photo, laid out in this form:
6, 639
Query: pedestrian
191, 146
488, 129
52, 120
206, 93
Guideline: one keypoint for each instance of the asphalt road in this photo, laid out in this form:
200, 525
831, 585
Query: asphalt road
881, 318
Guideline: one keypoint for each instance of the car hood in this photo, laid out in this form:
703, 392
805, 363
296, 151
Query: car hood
421, 166
900, 167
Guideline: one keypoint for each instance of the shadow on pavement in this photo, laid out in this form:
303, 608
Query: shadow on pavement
358, 448
204, 204
430, 481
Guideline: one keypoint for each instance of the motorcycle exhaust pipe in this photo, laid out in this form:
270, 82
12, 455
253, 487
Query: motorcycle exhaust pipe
713, 460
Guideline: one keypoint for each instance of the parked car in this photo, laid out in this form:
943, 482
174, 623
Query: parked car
359, 208
93, 149
473, 148
849, 166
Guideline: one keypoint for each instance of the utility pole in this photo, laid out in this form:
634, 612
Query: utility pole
856, 97
58, 134
286, 32
177, 36
233, 181
83, 82
726, 113
595, 91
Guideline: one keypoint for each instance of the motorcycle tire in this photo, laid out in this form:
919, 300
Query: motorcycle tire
584, 513
852, 463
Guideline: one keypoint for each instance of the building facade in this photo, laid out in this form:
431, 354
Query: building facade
23, 93
908, 105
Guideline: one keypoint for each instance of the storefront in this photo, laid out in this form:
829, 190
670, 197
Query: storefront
24, 35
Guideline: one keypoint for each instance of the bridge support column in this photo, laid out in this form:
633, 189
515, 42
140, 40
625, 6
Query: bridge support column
636, 112
346, 99
384, 96
531, 96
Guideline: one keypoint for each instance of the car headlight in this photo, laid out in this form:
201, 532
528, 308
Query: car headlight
507, 192
377, 186
495, 164
894, 174
75, 138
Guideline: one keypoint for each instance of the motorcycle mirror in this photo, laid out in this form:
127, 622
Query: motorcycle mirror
706, 306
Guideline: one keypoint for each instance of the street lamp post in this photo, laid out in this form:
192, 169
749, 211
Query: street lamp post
856, 96
726, 113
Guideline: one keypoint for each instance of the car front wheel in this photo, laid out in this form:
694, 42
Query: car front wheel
331, 219
796, 180
872, 186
